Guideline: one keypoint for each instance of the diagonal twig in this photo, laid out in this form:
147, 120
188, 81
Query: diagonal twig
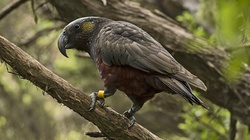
10, 7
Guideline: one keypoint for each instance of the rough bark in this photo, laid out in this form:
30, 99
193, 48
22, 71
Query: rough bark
112, 124
196, 54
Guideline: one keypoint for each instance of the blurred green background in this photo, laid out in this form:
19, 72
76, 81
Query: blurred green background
27, 113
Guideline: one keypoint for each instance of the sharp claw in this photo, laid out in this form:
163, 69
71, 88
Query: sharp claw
131, 117
102, 101
132, 122
90, 109
94, 99
126, 114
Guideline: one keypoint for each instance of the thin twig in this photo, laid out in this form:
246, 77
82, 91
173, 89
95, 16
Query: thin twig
215, 116
208, 126
243, 46
9, 71
41, 5
95, 134
9, 8
39, 34
34, 11
233, 129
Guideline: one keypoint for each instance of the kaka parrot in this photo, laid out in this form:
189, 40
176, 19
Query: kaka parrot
130, 60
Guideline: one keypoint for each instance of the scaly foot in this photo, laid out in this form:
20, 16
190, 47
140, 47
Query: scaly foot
97, 96
131, 117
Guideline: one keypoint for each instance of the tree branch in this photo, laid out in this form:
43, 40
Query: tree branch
194, 53
10, 7
39, 34
112, 124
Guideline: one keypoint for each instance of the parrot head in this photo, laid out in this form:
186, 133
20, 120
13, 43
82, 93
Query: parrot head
78, 34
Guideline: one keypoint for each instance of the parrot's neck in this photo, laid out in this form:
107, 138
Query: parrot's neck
90, 48
88, 38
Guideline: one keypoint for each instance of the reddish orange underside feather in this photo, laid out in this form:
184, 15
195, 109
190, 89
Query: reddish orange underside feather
131, 81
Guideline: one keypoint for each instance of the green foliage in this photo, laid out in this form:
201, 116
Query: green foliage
201, 124
236, 65
232, 33
230, 19
188, 21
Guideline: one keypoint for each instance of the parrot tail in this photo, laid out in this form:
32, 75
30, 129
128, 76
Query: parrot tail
183, 89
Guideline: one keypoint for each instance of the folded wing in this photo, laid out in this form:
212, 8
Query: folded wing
122, 43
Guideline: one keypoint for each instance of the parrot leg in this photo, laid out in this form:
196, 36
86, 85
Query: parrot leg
94, 98
100, 95
137, 105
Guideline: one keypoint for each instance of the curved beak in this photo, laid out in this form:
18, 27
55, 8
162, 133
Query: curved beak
62, 43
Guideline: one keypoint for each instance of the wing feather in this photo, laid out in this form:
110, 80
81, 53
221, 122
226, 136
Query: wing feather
122, 43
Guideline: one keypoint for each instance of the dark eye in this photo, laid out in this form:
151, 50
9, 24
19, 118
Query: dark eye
77, 26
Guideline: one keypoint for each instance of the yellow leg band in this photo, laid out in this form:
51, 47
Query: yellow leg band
100, 94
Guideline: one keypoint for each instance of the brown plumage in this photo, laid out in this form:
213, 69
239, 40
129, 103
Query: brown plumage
130, 60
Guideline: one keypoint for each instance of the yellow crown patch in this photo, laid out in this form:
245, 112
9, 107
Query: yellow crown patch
88, 26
